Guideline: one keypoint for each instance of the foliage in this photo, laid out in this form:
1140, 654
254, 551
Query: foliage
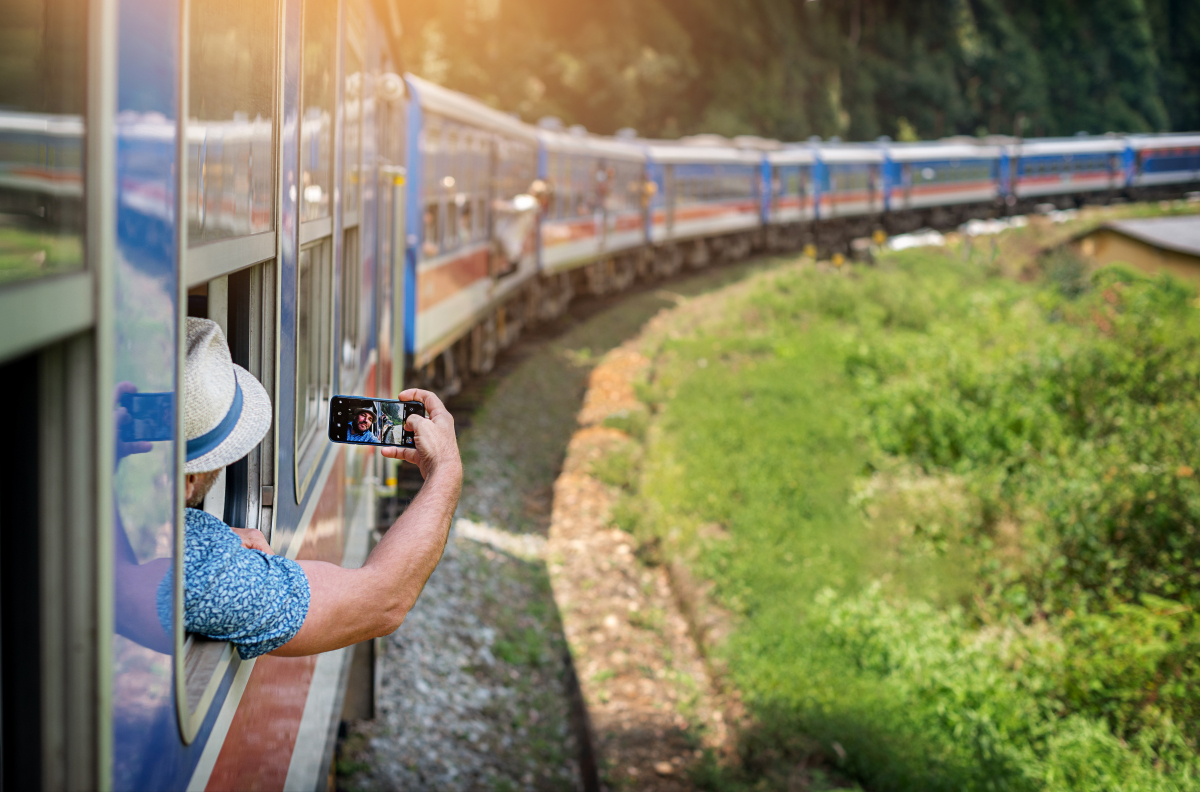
959, 520
791, 68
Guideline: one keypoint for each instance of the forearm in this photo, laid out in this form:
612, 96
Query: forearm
347, 606
410, 550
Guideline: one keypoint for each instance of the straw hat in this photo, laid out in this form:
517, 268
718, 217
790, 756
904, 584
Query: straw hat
226, 411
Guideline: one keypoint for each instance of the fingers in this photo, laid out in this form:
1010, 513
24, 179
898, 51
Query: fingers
433, 405
405, 454
253, 539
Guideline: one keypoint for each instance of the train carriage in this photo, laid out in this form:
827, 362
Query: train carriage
791, 203
925, 175
594, 202
1066, 168
705, 201
472, 245
1163, 160
234, 161
849, 181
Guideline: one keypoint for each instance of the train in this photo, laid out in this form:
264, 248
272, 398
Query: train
353, 229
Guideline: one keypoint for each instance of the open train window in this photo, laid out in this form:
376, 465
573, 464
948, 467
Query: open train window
243, 304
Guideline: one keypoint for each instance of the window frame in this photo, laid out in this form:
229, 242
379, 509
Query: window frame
305, 432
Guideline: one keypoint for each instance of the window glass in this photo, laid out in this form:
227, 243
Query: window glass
351, 298
352, 107
432, 240
317, 96
314, 353
42, 102
231, 79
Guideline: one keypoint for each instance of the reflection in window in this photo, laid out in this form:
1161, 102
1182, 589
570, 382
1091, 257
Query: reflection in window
42, 82
314, 342
231, 73
316, 98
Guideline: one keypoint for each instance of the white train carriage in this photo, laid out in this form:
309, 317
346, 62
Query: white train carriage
472, 222
1164, 160
593, 206
703, 191
849, 180
926, 175
793, 197
1060, 167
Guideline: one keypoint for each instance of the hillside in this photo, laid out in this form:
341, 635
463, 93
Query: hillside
794, 68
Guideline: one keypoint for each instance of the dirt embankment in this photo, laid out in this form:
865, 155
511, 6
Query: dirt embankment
631, 626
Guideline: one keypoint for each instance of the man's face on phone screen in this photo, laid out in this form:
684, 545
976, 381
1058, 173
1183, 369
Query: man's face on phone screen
363, 422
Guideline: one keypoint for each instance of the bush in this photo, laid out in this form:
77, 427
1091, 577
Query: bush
1034, 625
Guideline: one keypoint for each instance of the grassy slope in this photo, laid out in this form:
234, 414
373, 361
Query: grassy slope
883, 601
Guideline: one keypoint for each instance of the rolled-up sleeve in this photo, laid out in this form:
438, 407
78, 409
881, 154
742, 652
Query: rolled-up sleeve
254, 600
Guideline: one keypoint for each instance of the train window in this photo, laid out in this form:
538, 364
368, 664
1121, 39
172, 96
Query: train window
351, 307
42, 92
314, 342
465, 227
243, 304
230, 129
481, 222
451, 238
432, 241
317, 94
352, 108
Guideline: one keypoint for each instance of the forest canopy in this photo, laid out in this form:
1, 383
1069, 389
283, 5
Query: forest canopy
793, 68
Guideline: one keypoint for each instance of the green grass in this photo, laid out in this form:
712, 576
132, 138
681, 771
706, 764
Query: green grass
29, 254
953, 516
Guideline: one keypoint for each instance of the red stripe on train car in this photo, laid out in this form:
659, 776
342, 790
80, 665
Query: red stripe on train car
448, 279
262, 737
942, 189
559, 232
702, 212
628, 223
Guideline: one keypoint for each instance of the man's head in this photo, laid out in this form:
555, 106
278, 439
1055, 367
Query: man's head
364, 419
226, 411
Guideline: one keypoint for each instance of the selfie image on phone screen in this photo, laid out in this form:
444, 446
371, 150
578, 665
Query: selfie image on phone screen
364, 421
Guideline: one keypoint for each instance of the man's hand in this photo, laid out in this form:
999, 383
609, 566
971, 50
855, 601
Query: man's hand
252, 539
436, 446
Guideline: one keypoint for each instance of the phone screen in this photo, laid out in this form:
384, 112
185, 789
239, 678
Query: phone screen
149, 416
364, 421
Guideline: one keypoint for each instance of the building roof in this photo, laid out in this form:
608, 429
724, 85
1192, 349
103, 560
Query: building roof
1180, 234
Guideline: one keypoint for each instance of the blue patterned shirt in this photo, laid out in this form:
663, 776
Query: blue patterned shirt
254, 600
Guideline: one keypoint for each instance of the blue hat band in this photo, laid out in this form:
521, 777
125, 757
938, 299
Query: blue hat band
210, 440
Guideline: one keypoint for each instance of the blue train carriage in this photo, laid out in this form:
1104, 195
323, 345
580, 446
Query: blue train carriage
849, 191
1160, 166
791, 202
706, 201
227, 160
593, 221
472, 271
1067, 172
940, 184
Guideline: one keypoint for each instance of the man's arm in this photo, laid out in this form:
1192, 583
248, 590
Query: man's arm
347, 606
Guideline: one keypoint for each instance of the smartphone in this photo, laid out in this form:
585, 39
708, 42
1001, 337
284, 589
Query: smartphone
151, 417
360, 420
